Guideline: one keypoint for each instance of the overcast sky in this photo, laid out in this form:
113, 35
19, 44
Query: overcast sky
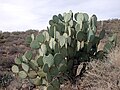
21, 15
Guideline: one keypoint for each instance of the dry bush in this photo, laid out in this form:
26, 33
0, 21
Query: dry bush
114, 57
100, 76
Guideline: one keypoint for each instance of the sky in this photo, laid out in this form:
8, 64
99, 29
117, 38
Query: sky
22, 15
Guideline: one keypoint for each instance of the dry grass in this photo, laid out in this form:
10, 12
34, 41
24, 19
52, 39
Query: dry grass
101, 76
114, 57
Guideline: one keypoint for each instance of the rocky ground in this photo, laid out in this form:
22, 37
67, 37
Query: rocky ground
11, 45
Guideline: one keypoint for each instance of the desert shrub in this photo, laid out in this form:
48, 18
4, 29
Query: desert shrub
101, 75
114, 56
57, 53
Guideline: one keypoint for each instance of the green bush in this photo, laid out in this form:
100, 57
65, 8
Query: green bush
70, 40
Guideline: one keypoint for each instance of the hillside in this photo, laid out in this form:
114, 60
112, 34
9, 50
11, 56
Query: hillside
13, 44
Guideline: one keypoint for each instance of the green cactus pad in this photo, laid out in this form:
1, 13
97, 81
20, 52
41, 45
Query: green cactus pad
54, 71
96, 40
62, 41
51, 22
67, 17
69, 40
40, 52
78, 45
77, 27
25, 67
56, 84
82, 44
51, 31
35, 44
24, 59
49, 77
28, 55
49, 50
33, 66
44, 49
81, 36
65, 35
57, 48
71, 13
58, 58
62, 68
40, 38
107, 47
70, 51
46, 68
46, 35
71, 23
32, 74
52, 43
75, 16
35, 62
63, 51
28, 39
44, 82
57, 34
91, 36
41, 74
94, 20
22, 74
85, 27
113, 38
48, 60
33, 37
69, 31
15, 69
55, 19
50, 87
89, 46
40, 61
37, 81
86, 17
60, 17
94, 29
80, 17
18, 60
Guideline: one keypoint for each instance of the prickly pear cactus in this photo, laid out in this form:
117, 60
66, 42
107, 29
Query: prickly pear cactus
69, 40
110, 44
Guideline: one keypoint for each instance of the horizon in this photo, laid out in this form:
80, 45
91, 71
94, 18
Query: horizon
46, 27
24, 15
